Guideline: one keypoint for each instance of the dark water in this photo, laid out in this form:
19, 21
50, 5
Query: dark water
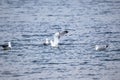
26, 23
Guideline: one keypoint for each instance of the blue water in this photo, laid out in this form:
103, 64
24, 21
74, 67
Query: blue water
26, 23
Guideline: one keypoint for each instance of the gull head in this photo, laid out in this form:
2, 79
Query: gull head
66, 31
57, 34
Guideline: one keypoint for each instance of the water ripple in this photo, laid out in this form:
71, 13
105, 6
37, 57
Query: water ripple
27, 23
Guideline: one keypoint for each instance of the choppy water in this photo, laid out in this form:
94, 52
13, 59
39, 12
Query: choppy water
26, 23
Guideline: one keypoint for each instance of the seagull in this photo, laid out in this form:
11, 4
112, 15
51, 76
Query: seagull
46, 42
54, 43
6, 46
100, 47
56, 37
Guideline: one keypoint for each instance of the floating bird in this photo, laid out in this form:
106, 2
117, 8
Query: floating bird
101, 47
56, 37
54, 43
46, 42
6, 46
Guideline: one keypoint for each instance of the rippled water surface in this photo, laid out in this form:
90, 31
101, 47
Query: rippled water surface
26, 23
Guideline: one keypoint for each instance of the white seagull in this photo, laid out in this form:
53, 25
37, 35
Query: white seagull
101, 47
46, 42
6, 46
56, 37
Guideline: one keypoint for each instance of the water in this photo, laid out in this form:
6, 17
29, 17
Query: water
26, 23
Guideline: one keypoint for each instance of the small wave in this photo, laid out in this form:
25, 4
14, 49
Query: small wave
116, 50
17, 75
6, 73
20, 54
33, 72
111, 60
28, 36
65, 44
56, 63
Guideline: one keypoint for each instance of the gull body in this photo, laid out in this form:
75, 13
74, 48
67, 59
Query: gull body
101, 47
55, 41
6, 46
